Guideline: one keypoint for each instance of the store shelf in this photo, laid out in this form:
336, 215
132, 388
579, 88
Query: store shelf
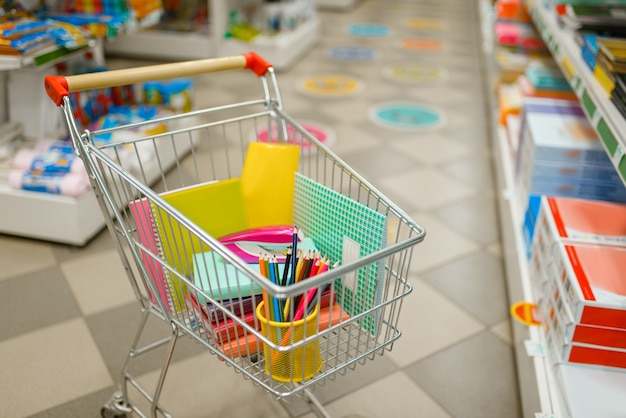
602, 113
282, 50
43, 58
68, 220
564, 390
152, 43
336, 4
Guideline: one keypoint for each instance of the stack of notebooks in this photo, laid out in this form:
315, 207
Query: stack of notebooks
578, 259
560, 155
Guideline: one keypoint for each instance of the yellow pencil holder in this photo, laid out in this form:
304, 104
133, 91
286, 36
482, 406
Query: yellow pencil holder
297, 364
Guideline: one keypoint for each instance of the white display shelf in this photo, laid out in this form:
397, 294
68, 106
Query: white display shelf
152, 43
336, 4
64, 219
565, 390
56, 54
602, 113
281, 50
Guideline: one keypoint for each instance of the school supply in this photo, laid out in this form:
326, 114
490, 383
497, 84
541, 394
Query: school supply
267, 181
346, 230
215, 207
221, 280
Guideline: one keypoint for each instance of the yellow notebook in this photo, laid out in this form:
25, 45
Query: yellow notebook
267, 182
217, 208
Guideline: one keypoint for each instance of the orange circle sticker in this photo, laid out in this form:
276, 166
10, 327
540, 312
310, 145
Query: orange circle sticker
423, 44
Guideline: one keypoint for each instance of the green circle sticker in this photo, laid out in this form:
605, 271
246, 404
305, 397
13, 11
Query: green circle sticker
415, 73
406, 116
330, 85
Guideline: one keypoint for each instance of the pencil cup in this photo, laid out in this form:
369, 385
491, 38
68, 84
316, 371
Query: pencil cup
295, 365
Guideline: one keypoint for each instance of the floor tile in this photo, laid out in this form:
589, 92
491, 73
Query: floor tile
427, 188
344, 384
62, 361
101, 242
203, 387
393, 396
84, 407
471, 379
34, 301
503, 331
22, 256
353, 139
378, 162
430, 149
429, 323
475, 171
114, 331
476, 218
441, 245
477, 283
99, 281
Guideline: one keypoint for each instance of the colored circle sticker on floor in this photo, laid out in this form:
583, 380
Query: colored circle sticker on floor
352, 53
422, 44
321, 132
424, 24
406, 116
415, 73
369, 30
331, 85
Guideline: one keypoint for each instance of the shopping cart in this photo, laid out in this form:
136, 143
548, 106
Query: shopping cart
356, 304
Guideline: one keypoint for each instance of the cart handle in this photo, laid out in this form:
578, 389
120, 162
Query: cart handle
60, 86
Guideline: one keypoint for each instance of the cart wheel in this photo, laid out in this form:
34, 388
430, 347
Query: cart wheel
107, 413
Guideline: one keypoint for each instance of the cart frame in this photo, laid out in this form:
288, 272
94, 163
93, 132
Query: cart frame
210, 145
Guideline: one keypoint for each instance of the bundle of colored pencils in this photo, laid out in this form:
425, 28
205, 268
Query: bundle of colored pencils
298, 266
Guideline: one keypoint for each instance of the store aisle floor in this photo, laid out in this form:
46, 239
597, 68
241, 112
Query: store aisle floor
406, 108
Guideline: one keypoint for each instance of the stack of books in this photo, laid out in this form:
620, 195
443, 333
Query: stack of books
560, 155
578, 256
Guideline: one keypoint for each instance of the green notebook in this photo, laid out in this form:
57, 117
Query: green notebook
345, 230
220, 279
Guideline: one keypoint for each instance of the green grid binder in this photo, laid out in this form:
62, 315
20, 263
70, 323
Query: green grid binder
344, 230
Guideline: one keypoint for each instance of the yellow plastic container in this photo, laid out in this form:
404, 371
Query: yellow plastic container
297, 364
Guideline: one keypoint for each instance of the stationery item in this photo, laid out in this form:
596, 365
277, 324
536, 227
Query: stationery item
215, 207
222, 280
148, 237
249, 344
74, 185
346, 230
224, 330
265, 240
267, 180
295, 365
592, 281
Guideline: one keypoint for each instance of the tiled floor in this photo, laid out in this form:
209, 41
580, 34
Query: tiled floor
67, 315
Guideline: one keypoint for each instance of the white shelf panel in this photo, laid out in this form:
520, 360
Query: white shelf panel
336, 4
67, 220
163, 45
602, 113
281, 50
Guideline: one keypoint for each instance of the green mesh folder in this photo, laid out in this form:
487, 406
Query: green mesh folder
344, 230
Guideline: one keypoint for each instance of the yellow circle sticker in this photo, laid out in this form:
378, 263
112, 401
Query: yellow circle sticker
424, 24
415, 73
330, 85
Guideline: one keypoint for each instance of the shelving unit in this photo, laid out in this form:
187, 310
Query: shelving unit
336, 4
563, 390
604, 117
282, 50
